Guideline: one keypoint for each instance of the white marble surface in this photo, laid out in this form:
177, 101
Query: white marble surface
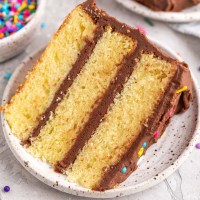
183, 184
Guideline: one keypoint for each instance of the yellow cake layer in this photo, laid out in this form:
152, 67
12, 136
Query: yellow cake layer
123, 122
60, 132
25, 108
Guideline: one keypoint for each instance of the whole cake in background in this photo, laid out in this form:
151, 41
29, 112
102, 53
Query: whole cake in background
99, 96
168, 5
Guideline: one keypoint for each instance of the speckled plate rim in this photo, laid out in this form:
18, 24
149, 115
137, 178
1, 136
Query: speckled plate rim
173, 17
77, 190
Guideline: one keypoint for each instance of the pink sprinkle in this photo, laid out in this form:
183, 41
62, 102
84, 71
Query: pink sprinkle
2, 30
13, 9
171, 112
198, 145
11, 13
156, 134
26, 13
141, 29
8, 23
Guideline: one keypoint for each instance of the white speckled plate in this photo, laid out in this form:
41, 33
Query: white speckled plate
187, 15
161, 159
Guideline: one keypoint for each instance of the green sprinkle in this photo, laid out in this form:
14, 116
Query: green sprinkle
32, 11
148, 21
7, 34
7, 18
2, 25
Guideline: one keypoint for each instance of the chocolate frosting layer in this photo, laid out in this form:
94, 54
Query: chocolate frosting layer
168, 5
67, 82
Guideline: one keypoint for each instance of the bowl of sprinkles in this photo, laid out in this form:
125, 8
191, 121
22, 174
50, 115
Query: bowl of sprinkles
19, 20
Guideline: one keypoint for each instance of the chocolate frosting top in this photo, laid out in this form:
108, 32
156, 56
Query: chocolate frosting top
168, 5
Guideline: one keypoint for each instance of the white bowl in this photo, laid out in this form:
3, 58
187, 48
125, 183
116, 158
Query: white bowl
17, 42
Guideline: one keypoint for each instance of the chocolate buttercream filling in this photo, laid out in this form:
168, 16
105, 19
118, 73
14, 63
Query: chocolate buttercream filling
67, 82
98, 113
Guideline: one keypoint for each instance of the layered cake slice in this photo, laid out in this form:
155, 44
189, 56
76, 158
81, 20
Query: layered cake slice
99, 96
168, 5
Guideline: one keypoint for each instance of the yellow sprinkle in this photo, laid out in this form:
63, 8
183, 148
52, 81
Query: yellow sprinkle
15, 20
140, 152
21, 8
181, 90
31, 7
24, 4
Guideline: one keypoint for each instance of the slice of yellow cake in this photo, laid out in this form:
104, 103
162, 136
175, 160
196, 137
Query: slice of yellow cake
97, 98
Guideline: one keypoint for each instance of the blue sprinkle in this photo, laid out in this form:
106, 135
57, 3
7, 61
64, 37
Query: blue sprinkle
8, 75
19, 25
20, 17
6, 189
43, 25
124, 170
17, 5
5, 6
144, 145
1, 22
6, 12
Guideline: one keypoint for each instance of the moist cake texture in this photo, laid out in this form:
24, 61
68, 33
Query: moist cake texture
97, 98
168, 5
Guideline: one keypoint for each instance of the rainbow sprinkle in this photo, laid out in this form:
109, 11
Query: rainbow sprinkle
171, 112
140, 152
184, 88
141, 29
14, 15
124, 170
198, 145
8, 75
156, 134
148, 21
144, 145
43, 25
6, 188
